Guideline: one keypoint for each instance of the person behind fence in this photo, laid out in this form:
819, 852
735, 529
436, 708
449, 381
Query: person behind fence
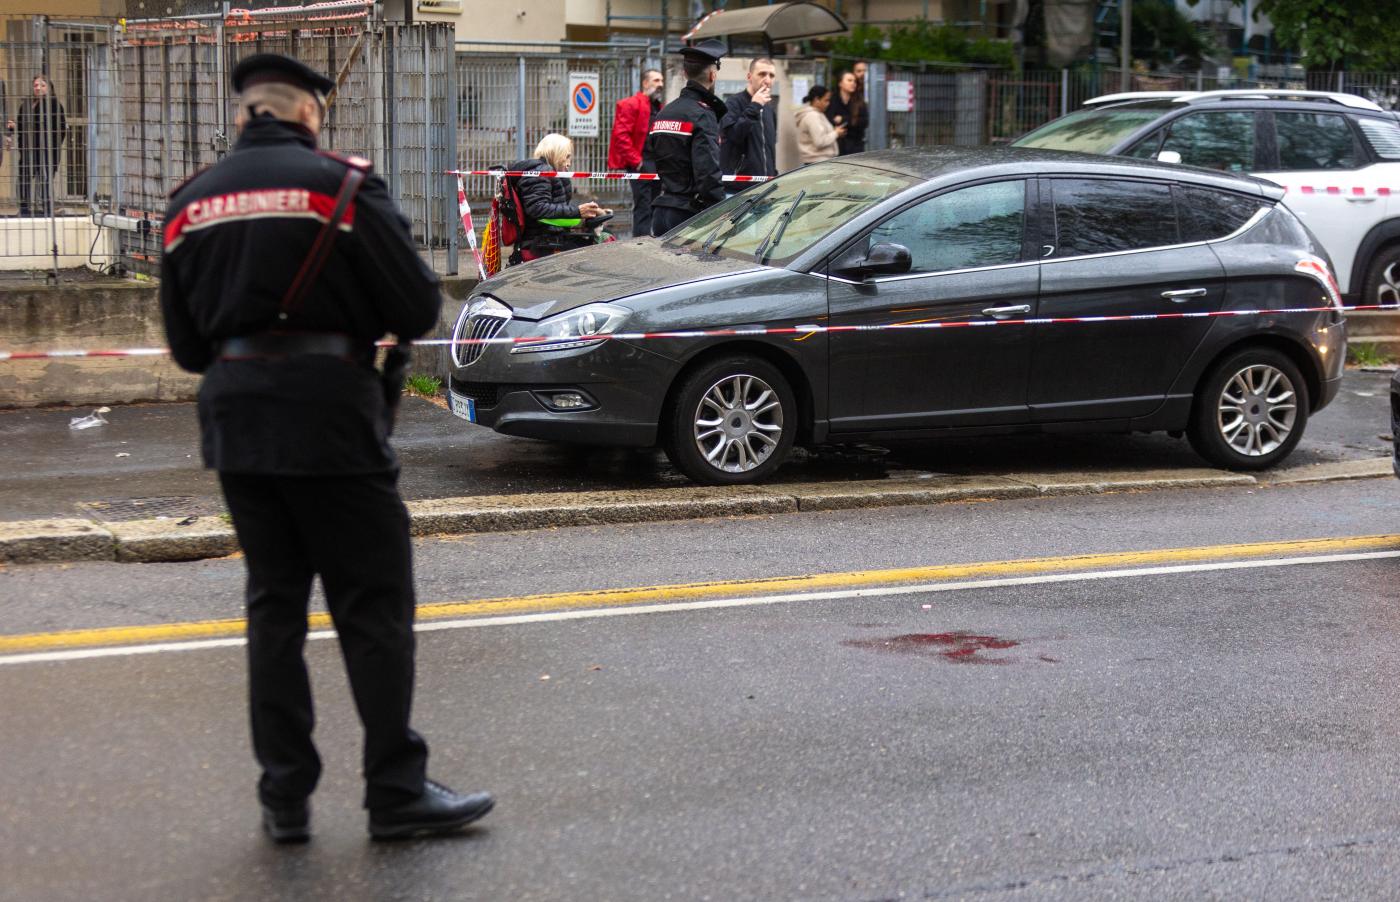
817, 138
40, 128
631, 122
848, 108
684, 142
553, 222
282, 266
749, 129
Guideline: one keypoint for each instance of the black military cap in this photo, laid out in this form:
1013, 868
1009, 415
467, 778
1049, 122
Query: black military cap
709, 50
264, 68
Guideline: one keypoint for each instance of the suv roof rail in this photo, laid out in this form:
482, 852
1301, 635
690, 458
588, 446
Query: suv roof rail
1351, 100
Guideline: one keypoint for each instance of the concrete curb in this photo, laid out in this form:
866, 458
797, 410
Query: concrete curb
151, 541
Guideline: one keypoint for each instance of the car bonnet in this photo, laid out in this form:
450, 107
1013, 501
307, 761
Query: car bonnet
608, 272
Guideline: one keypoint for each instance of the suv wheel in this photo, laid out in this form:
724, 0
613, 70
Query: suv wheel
1383, 278
732, 422
1250, 410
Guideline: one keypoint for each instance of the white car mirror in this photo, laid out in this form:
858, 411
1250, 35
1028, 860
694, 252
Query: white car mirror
1169, 156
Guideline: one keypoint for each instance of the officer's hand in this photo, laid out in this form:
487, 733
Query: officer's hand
589, 210
763, 95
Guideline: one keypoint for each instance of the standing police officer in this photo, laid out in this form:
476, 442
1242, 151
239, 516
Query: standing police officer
282, 266
684, 142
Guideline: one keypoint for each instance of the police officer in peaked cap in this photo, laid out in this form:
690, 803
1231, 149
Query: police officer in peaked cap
684, 142
282, 267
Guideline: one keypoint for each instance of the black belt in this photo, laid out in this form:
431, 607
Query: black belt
287, 344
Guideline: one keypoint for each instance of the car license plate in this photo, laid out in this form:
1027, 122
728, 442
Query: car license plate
463, 407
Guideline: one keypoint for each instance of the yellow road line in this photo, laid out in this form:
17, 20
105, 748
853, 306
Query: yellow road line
218, 629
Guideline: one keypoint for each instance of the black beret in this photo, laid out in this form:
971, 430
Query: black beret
710, 50
262, 68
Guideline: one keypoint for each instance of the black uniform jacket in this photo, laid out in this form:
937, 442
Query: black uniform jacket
750, 133
235, 236
684, 147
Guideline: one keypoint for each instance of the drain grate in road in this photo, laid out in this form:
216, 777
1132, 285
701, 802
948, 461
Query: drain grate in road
171, 507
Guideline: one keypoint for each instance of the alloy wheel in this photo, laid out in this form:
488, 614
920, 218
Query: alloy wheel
738, 423
1257, 410
1388, 289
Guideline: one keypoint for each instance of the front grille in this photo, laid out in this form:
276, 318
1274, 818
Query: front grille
477, 326
485, 394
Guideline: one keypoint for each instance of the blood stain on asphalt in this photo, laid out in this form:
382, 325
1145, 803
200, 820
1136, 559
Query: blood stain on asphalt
957, 647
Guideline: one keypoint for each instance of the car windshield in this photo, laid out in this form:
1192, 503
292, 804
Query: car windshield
1091, 131
822, 196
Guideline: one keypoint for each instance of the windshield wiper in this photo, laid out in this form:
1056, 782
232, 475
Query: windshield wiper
733, 219
776, 234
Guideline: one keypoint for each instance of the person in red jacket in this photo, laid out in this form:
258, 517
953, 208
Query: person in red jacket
631, 122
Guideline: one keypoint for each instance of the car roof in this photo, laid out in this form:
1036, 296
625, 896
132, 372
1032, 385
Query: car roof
939, 162
1282, 95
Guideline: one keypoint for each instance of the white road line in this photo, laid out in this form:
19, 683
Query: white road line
709, 604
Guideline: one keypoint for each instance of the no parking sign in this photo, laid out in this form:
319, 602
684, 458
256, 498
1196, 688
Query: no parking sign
583, 104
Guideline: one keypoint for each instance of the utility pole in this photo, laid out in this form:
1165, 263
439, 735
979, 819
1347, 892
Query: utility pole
1125, 44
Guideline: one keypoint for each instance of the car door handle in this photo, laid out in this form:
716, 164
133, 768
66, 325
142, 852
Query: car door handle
1006, 312
1182, 295
1360, 199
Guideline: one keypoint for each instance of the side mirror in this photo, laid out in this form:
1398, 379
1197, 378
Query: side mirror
880, 260
1169, 156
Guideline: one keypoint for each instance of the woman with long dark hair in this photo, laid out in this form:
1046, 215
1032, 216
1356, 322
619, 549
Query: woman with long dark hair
42, 130
848, 108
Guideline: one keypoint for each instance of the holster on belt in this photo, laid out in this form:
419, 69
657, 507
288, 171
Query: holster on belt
395, 373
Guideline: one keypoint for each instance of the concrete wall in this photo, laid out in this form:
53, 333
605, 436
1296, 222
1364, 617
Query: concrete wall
28, 243
527, 21
113, 315
123, 315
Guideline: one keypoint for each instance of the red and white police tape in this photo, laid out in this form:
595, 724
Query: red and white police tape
616, 176
465, 210
803, 330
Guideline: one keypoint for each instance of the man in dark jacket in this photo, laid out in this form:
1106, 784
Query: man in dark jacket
631, 123
750, 127
684, 142
295, 419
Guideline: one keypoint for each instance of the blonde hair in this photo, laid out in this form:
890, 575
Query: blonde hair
553, 148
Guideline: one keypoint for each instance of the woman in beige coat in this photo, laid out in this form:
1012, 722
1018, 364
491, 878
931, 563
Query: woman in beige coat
816, 137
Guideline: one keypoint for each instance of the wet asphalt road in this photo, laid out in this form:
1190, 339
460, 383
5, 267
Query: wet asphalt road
1226, 734
51, 470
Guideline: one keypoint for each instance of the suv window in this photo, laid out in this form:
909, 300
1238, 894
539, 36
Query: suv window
1221, 140
1207, 214
977, 226
1314, 141
1099, 216
1383, 136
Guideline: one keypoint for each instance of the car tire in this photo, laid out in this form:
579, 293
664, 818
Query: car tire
732, 421
1382, 286
1250, 410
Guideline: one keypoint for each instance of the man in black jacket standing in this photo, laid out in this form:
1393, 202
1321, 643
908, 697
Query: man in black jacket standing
750, 127
684, 142
282, 266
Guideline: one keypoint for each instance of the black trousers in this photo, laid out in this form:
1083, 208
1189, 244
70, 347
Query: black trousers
642, 195
35, 180
664, 219
352, 531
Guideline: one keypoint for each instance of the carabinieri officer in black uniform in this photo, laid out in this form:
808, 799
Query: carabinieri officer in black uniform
683, 144
282, 266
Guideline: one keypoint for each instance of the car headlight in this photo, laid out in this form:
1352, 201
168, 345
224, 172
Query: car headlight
588, 325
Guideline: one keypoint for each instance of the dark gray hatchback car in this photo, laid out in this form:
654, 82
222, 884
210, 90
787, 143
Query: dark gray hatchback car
997, 236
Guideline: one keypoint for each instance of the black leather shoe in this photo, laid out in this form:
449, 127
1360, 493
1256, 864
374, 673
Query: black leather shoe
287, 825
438, 810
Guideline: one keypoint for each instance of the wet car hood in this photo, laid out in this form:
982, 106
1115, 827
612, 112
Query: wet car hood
608, 272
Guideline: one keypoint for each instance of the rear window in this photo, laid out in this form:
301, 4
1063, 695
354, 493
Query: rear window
1091, 131
1314, 141
1100, 216
1384, 137
1207, 214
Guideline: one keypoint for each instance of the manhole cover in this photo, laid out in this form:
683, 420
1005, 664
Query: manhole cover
175, 507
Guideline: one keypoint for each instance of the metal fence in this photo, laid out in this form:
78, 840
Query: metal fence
511, 96
139, 106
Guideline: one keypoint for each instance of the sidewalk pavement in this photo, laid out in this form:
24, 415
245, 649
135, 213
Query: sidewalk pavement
134, 490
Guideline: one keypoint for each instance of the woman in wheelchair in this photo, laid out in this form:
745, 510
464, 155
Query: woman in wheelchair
553, 222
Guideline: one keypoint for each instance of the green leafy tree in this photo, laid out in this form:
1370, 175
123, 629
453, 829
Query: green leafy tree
1163, 36
920, 41
1335, 34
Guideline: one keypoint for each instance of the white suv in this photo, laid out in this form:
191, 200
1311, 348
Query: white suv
1338, 156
